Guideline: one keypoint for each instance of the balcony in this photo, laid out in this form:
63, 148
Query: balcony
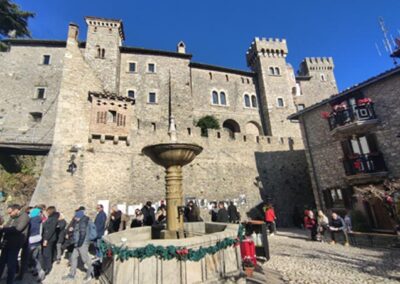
352, 120
365, 168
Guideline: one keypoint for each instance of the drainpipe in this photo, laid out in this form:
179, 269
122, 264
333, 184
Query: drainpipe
314, 177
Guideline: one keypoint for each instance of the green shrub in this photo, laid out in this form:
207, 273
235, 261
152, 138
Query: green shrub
207, 122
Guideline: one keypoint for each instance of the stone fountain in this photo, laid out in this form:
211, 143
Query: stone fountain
173, 156
222, 266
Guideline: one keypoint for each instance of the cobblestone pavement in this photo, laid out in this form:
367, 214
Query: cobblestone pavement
302, 261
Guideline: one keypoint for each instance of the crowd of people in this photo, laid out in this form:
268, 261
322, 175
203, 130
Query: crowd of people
318, 226
41, 236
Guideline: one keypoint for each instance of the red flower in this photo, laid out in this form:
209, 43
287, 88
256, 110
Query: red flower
182, 252
364, 101
325, 114
109, 253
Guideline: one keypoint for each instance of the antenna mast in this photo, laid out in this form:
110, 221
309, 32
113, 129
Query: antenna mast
386, 40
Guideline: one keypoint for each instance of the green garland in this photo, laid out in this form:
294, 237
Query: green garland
170, 252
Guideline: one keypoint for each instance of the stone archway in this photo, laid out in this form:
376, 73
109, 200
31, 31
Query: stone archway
231, 126
253, 128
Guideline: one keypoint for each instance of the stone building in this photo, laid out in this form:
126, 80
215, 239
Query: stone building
96, 104
352, 140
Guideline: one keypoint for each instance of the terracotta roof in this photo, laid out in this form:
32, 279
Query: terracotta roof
349, 90
112, 96
139, 50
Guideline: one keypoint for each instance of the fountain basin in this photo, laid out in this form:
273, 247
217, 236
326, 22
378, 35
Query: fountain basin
172, 154
222, 267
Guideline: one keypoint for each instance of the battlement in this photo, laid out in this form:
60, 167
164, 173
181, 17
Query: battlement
215, 139
312, 64
266, 47
106, 23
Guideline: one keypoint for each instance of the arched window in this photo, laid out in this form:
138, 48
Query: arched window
277, 71
323, 79
231, 126
103, 53
210, 75
222, 98
246, 100
280, 102
215, 99
253, 101
271, 71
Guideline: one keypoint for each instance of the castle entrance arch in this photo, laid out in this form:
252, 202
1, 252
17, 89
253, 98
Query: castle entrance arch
231, 126
253, 128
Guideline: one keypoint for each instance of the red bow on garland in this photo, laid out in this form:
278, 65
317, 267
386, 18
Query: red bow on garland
364, 101
182, 252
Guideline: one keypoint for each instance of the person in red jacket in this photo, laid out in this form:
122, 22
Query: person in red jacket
270, 218
310, 223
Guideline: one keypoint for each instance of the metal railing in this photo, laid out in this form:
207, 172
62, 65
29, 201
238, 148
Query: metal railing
350, 115
368, 163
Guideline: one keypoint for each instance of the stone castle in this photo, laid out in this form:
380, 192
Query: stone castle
96, 104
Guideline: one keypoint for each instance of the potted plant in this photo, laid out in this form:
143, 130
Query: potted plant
248, 267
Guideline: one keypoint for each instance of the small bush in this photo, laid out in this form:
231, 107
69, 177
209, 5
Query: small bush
207, 122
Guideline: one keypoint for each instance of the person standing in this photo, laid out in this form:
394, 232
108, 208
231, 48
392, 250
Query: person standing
49, 238
270, 218
61, 231
233, 213
100, 223
214, 212
81, 243
15, 235
114, 221
148, 214
35, 241
222, 215
137, 220
192, 212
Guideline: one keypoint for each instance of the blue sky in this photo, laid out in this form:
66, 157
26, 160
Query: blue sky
219, 32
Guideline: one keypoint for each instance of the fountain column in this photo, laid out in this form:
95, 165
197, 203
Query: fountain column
174, 197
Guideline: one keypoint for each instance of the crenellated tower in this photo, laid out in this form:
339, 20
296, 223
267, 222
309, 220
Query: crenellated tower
315, 81
104, 38
267, 58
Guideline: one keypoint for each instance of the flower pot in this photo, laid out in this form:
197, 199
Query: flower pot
249, 271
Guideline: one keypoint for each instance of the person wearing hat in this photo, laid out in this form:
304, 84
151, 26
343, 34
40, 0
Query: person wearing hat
81, 243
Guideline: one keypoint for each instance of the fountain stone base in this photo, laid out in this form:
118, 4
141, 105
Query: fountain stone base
222, 267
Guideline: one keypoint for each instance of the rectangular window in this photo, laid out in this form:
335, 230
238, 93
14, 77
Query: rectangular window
131, 94
300, 107
151, 68
46, 60
40, 93
152, 98
36, 116
132, 67
280, 102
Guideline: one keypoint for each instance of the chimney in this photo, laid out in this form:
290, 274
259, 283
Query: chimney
181, 47
73, 31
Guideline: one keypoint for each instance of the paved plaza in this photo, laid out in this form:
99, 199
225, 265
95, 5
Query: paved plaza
301, 261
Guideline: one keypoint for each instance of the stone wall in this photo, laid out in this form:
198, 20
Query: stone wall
21, 73
325, 153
